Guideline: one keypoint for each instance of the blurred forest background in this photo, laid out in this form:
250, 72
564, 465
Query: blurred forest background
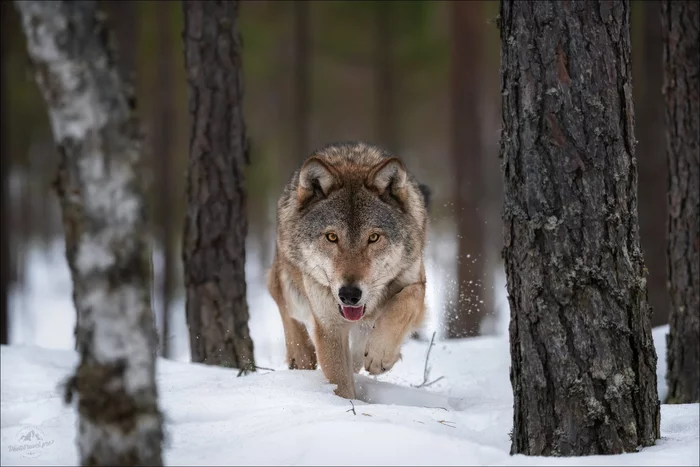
418, 77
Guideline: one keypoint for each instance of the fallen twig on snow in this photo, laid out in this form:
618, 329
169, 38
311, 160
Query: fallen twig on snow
244, 371
426, 369
352, 409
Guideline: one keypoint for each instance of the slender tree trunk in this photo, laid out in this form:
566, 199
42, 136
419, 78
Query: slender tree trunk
97, 136
5, 166
384, 84
163, 153
651, 159
124, 20
583, 362
216, 224
302, 80
467, 149
681, 26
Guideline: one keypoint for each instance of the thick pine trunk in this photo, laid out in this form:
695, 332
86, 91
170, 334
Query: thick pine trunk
97, 134
583, 364
651, 158
216, 224
471, 300
681, 27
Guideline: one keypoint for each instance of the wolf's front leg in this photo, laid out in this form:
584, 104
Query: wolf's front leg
333, 351
403, 314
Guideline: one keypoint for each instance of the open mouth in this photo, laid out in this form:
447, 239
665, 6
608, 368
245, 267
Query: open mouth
352, 313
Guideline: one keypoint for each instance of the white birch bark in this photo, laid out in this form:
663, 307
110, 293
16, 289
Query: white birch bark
96, 131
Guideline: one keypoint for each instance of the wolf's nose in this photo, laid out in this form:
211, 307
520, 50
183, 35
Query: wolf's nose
349, 295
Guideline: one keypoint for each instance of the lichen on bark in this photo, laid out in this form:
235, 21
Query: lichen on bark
583, 362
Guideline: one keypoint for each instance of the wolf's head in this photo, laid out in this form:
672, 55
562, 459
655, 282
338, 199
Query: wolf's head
358, 221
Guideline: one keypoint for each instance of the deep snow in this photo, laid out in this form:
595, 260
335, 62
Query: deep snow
292, 417
288, 417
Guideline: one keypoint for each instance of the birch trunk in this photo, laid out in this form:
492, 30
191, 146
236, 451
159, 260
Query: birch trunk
97, 134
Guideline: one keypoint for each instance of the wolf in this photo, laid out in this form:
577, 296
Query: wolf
348, 275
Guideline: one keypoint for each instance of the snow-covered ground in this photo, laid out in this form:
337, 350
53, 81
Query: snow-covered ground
287, 417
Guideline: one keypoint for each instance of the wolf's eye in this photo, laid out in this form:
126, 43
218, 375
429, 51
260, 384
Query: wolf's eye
373, 238
331, 237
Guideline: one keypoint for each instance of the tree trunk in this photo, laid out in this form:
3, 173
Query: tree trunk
384, 78
125, 26
97, 135
216, 224
5, 166
163, 152
467, 149
651, 159
583, 364
302, 81
681, 26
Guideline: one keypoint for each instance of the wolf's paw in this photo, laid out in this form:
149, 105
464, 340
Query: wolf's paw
345, 391
379, 357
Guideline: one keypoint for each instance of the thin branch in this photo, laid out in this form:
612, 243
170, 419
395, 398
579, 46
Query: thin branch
352, 409
431, 383
245, 371
426, 368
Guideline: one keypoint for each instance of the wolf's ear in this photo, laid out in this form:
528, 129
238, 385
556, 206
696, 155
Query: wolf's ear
316, 178
389, 174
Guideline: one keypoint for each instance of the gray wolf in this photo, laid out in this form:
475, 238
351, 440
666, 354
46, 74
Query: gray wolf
348, 274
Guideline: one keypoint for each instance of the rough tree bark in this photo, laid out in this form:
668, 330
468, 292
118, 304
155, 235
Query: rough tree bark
216, 223
583, 364
681, 27
467, 151
162, 128
302, 81
384, 85
651, 159
97, 135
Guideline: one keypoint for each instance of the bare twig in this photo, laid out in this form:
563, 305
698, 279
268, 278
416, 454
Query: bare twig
441, 408
245, 371
447, 423
352, 409
426, 369
431, 383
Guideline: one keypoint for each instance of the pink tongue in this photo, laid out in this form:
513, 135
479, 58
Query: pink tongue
353, 313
